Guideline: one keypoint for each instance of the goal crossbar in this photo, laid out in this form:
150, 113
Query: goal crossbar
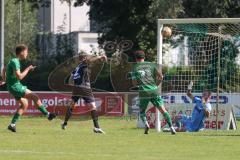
198, 20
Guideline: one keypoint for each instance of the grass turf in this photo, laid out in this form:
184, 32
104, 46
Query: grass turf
36, 138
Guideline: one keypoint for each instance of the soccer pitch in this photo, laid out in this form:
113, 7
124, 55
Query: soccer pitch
36, 138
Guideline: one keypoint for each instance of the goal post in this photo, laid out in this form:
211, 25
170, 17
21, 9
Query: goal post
159, 62
204, 50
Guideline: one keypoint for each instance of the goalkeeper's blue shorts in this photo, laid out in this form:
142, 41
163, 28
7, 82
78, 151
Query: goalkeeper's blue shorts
195, 122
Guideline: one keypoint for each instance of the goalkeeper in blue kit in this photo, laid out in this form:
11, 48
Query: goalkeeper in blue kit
200, 112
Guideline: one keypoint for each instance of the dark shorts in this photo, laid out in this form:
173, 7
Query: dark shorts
86, 99
84, 93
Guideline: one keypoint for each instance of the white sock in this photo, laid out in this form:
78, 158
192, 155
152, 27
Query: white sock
13, 124
147, 124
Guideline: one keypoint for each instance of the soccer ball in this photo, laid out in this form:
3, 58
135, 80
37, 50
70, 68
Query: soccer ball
166, 32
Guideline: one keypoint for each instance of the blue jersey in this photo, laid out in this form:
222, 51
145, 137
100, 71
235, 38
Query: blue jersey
80, 74
196, 121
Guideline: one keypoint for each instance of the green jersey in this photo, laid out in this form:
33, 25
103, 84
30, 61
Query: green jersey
146, 78
12, 66
145, 73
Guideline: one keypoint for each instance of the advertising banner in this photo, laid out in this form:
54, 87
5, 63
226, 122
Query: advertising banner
107, 104
180, 104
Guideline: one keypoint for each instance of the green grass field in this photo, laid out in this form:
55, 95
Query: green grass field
36, 138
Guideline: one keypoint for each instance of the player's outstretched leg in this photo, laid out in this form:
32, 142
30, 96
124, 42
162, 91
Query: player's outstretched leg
168, 118
41, 107
68, 115
144, 119
94, 116
23, 106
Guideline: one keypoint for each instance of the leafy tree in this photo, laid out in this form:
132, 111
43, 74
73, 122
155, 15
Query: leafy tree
131, 19
36, 4
136, 19
12, 33
211, 8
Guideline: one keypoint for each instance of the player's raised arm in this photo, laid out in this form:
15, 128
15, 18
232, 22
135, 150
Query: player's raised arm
20, 75
91, 58
189, 91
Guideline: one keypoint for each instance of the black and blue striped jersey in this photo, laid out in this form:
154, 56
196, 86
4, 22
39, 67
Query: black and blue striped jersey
80, 74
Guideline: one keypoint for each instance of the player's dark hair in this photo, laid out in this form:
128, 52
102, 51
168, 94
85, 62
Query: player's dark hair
20, 48
82, 55
139, 54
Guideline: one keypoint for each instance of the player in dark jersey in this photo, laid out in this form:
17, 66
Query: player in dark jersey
82, 89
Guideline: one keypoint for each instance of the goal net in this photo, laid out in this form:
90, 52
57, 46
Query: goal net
205, 51
191, 54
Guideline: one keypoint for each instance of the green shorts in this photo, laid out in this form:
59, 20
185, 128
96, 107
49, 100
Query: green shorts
17, 90
157, 101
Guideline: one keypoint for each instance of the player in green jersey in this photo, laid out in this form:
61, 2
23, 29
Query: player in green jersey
148, 77
12, 74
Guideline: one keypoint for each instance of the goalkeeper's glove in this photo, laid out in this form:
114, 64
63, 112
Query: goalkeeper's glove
190, 85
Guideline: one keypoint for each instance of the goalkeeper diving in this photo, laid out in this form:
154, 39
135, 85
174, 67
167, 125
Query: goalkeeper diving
201, 111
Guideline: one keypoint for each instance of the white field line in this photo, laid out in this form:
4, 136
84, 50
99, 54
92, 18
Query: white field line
38, 152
